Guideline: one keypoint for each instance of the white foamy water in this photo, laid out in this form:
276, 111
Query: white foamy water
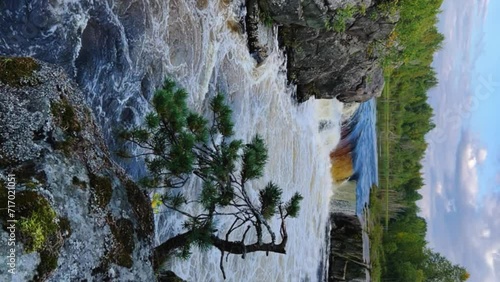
204, 54
120, 49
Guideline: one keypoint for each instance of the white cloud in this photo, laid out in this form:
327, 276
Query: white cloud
486, 233
481, 155
491, 257
450, 206
472, 162
469, 180
439, 188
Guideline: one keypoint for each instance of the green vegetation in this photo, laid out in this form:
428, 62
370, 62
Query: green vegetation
13, 70
102, 190
265, 17
342, 16
376, 234
48, 262
37, 227
179, 144
65, 114
123, 243
398, 247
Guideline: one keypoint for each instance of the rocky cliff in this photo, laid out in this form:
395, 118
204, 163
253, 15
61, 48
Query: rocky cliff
79, 217
334, 47
346, 249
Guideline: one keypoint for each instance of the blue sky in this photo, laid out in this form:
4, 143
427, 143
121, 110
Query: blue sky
461, 198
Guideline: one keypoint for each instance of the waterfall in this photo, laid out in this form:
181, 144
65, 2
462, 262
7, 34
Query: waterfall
119, 51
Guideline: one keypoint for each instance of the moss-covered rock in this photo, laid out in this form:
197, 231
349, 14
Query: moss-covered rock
83, 218
65, 115
142, 210
13, 70
48, 263
101, 189
123, 233
39, 229
65, 227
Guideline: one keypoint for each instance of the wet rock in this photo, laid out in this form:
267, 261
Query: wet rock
333, 47
102, 224
169, 276
346, 249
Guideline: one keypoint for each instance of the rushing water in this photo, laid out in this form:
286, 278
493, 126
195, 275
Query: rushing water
365, 153
120, 50
365, 164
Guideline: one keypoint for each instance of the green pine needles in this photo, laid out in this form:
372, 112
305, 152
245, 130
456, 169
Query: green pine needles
179, 144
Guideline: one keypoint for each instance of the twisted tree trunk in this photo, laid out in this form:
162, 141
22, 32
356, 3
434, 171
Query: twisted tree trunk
161, 252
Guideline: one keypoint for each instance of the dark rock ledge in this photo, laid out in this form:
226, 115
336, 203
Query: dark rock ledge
324, 60
346, 249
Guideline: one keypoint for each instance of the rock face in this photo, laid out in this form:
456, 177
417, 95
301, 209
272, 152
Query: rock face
333, 46
101, 223
346, 249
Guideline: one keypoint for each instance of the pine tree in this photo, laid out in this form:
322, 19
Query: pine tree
179, 144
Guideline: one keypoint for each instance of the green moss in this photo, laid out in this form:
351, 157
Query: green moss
34, 232
12, 70
38, 223
142, 209
65, 115
123, 245
265, 18
123, 233
31, 185
48, 262
339, 22
38, 229
102, 189
362, 9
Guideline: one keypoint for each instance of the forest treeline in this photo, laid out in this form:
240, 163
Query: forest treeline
403, 119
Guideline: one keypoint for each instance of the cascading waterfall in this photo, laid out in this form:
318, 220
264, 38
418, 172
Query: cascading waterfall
120, 50
298, 161
298, 150
355, 166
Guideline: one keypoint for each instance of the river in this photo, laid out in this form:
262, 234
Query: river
119, 51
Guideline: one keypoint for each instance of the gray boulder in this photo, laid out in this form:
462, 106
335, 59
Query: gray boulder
80, 218
327, 62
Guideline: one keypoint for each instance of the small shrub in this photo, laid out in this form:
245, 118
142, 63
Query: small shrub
265, 18
339, 22
362, 9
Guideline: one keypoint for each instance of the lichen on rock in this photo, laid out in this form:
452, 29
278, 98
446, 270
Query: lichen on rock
76, 206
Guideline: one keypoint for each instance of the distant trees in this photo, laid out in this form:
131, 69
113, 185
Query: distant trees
178, 145
408, 63
439, 269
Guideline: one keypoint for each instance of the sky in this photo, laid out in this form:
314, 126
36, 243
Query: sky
461, 196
